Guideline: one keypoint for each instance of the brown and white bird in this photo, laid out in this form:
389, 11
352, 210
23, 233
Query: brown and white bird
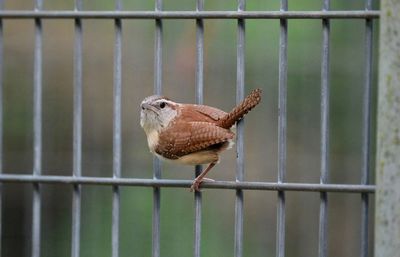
189, 133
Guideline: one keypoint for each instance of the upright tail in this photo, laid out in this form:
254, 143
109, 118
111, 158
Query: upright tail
240, 110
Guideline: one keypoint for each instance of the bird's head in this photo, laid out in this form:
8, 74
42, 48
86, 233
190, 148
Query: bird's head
157, 112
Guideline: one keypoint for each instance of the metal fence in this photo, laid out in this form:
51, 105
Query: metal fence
76, 180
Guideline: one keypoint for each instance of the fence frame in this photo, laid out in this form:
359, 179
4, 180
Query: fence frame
387, 211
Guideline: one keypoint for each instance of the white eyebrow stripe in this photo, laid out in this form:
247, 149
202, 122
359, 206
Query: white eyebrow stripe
165, 101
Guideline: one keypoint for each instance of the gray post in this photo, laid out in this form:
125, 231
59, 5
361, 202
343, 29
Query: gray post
387, 220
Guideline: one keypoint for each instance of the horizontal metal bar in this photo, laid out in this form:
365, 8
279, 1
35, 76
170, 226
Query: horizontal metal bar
17, 14
247, 185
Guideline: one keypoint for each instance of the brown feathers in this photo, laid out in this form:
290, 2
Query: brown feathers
242, 109
189, 137
200, 127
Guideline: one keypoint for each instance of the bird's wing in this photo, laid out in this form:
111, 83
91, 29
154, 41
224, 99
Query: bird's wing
201, 113
188, 137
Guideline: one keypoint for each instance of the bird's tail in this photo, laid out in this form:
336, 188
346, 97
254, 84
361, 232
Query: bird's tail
240, 110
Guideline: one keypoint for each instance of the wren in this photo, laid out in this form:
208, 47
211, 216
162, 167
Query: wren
191, 134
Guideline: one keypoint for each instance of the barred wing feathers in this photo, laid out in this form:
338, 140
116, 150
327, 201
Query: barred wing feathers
190, 137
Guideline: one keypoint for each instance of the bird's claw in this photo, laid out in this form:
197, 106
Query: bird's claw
196, 184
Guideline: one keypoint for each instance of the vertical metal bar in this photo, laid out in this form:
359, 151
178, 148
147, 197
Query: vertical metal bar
158, 51
366, 132
240, 70
281, 210
156, 162
77, 140
199, 100
323, 215
37, 132
117, 130
199, 54
156, 209
1, 123
387, 211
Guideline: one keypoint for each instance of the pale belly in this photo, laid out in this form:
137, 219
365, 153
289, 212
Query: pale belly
196, 158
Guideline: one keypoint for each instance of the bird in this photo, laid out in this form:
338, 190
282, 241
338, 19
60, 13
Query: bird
191, 134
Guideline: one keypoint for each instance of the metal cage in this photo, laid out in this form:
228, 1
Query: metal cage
76, 180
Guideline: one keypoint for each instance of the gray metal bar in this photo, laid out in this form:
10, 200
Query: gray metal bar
245, 185
387, 211
366, 135
156, 161
158, 50
37, 133
199, 54
199, 100
240, 70
117, 131
77, 140
190, 14
281, 210
1, 122
197, 217
156, 209
323, 215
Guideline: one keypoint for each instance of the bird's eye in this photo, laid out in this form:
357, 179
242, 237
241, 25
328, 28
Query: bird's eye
162, 105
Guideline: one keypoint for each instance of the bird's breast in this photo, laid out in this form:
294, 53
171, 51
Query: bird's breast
152, 139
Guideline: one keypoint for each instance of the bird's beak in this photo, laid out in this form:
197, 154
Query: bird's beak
148, 107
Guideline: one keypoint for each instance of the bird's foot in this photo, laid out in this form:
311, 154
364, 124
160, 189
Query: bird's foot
196, 183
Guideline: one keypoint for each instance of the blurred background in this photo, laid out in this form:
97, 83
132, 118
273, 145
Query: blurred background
261, 129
